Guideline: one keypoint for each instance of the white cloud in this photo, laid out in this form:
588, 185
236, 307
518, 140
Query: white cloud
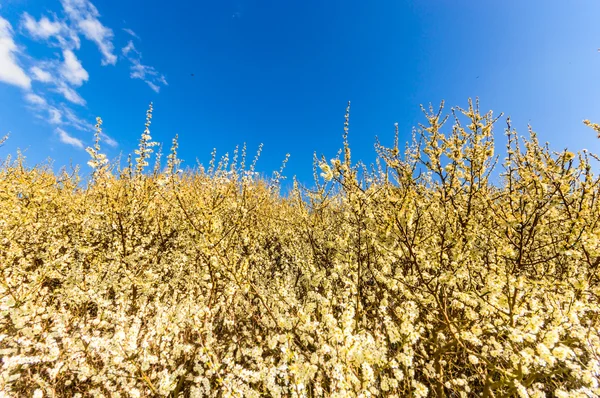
75, 121
109, 141
129, 47
42, 29
35, 99
55, 116
72, 70
85, 16
64, 116
10, 71
82, 125
140, 71
131, 32
95, 31
40, 74
69, 94
145, 72
68, 139
152, 86
64, 76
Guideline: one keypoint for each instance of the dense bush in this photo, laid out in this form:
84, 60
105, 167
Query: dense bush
418, 276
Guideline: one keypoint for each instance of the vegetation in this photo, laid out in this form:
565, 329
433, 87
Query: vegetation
414, 277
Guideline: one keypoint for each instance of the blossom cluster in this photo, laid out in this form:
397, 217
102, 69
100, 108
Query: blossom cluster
427, 275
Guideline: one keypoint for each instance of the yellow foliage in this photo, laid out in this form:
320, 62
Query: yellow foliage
421, 277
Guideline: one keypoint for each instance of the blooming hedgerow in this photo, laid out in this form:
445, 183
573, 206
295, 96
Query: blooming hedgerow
420, 276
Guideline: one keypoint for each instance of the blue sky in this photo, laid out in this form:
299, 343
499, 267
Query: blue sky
281, 73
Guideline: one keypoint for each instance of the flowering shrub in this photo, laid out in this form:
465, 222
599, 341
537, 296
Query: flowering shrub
420, 276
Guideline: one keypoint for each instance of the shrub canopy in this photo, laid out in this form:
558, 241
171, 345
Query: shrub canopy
414, 277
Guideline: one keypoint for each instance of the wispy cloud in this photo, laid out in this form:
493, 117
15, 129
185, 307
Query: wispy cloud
55, 116
44, 28
40, 74
128, 48
63, 117
10, 71
143, 72
140, 71
63, 75
35, 99
56, 33
72, 70
69, 93
109, 141
95, 31
153, 86
131, 33
85, 16
68, 139
73, 120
